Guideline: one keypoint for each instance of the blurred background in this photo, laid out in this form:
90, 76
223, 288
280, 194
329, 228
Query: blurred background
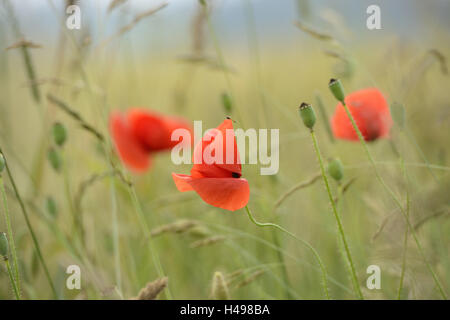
181, 58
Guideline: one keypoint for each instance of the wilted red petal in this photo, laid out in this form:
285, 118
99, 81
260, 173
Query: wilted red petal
221, 169
371, 113
154, 131
130, 150
226, 193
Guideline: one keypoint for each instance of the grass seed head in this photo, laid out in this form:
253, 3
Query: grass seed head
219, 287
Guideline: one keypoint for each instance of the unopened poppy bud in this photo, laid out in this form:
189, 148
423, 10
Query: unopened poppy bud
227, 103
50, 205
337, 89
2, 162
398, 114
59, 133
307, 114
219, 287
336, 169
54, 158
4, 248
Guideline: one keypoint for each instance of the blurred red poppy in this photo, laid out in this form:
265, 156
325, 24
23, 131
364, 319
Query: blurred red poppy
371, 113
140, 133
218, 183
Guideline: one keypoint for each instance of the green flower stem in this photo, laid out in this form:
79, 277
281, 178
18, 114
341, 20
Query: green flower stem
146, 228
397, 201
11, 279
30, 228
314, 252
338, 219
10, 234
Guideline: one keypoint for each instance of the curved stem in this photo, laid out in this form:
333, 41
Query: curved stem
11, 278
314, 252
397, 202
10, 234
338, 219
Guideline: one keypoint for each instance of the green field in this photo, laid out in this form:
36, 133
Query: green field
105, 214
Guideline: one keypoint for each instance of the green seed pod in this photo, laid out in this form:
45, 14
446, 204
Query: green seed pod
54, 158
2, 163
51, 207
307, 114
59, 133
337, 89
4, 247
219, 287
336, 169
398, 114
226, 102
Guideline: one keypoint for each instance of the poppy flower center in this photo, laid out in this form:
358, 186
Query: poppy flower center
235, 175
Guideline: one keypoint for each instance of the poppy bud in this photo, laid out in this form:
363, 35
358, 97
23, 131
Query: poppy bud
59, 133
2, 162
398, 114
226, 102
219, 287
307, 114
337, 89
50, 205
4, 248
336, 169
54, 158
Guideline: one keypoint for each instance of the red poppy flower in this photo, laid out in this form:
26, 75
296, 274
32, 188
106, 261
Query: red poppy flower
218, 182
140, 133
371, 113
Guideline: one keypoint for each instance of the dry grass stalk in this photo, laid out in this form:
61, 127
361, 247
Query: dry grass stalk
219, 287
132, 24
315, 34
24, 44
250, 279
115, 3
207, 242
298, 186
179, 226
152, 289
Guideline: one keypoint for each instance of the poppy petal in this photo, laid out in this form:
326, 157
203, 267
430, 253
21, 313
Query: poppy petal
182, 181
371, 113
228, 162
226, 193
130, 150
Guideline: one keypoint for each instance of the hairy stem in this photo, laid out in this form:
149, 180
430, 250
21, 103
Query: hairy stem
10, 234
314, 252
338, 219
397, 201
30, 228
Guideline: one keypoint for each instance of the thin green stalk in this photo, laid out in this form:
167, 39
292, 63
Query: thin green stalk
396, 200
30, 228
220, 57
144, 224
11, 279
282, 262
405, 240
314, 252
10, 234
338, 219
